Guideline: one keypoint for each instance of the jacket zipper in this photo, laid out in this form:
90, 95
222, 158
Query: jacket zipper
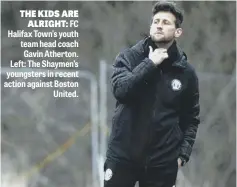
156, 98
153, 116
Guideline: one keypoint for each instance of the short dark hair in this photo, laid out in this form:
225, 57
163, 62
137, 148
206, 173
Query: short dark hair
171, 7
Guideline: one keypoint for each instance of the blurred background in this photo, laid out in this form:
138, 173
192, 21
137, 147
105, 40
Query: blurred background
60, 142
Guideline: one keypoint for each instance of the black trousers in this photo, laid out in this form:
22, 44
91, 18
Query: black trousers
118, 175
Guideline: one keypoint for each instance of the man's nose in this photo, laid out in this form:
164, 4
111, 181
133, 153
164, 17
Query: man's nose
159, 25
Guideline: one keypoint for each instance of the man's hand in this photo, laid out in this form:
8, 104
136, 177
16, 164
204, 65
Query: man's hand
179, 162
158, 55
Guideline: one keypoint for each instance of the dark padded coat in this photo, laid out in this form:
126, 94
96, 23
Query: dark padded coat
157, 111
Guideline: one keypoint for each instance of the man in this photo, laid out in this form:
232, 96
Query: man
157, 111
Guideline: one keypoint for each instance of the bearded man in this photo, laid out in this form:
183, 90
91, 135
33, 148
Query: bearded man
157, 110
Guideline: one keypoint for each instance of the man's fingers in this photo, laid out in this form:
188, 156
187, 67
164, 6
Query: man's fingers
157, 50
161, 50
179, 162
150, 49
166, 55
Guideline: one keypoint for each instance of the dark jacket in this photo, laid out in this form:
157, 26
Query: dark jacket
157, 109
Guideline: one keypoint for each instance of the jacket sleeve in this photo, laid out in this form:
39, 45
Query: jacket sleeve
190, 117
127, 82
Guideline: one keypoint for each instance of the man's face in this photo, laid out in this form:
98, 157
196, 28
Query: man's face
163, 29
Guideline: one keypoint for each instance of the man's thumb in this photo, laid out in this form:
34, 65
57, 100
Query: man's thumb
150, 49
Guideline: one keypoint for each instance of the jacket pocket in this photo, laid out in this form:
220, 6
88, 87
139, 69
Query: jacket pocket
179, 132
176, 135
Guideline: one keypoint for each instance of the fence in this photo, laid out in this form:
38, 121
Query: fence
43, 128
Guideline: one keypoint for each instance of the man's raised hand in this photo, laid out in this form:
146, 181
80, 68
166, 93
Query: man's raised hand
158, 55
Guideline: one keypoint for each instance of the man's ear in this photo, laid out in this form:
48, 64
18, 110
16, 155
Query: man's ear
178, 32
151, 20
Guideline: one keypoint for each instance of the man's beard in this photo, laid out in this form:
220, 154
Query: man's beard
161, 40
